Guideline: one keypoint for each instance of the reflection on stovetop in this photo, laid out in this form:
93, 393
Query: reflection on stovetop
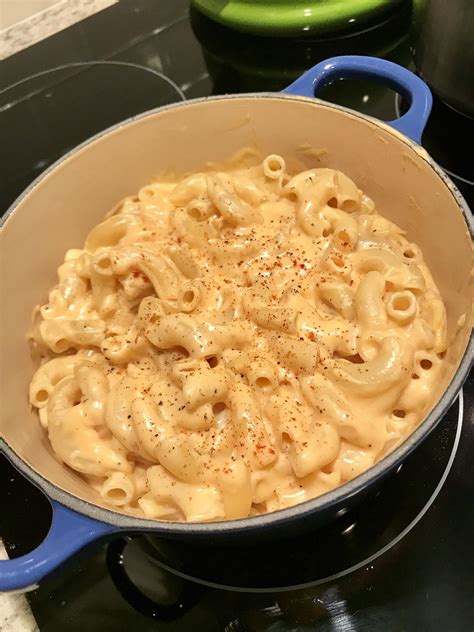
409, 546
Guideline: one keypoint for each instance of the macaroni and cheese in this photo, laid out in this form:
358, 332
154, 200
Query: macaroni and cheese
236, 342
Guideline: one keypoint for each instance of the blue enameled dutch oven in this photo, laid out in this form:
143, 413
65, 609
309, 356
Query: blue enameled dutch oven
57, 210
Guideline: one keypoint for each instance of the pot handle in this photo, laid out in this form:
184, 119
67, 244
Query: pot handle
69, 532
412, 123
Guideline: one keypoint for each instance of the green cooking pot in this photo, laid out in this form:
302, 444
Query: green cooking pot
284, 17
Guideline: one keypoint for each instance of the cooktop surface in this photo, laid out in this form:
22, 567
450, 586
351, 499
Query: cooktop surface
402, 559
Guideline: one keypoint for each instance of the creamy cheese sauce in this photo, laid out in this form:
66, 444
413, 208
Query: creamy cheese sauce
236, 342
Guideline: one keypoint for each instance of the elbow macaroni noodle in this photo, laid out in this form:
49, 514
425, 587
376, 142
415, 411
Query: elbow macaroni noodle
236, 343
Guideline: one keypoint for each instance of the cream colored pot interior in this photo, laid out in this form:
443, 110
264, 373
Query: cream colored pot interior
59, 211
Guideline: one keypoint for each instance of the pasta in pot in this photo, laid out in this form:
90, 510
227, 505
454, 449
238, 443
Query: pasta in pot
235, 343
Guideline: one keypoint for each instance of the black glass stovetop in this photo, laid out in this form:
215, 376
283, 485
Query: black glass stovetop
400, 561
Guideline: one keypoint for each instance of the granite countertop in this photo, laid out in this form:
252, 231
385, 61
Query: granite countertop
15, 614
54, 18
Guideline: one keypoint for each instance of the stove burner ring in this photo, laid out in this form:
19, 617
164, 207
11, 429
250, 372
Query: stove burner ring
85, 64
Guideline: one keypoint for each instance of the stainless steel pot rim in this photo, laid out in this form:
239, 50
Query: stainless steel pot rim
326, 501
